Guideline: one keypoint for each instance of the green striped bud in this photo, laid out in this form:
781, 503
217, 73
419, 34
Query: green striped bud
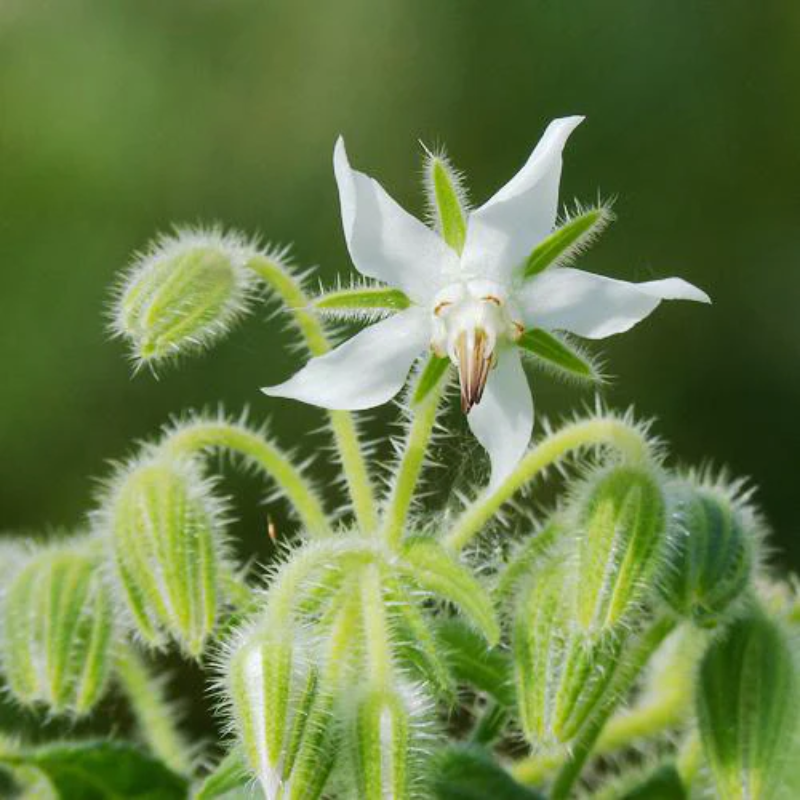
712, 553
182, 293
562, 671
382, 746
621, 545
166, 527
58, 630
747, 701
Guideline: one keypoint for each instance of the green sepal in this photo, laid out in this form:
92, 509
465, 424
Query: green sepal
488, 669
362, 298
445, 196
747, 702
559, 354
429, 378
99, 770
230, 778
432, 568
567, 240
469, 772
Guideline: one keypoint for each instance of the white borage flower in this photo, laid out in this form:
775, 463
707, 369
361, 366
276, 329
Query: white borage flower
484, 285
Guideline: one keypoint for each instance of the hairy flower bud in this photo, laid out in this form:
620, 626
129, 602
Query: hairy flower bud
57, 630
166, 527
562, 670
182, 293
621, 544
712, 552
747, 702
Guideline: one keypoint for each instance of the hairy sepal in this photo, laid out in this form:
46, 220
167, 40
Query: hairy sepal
560, 355
444, 189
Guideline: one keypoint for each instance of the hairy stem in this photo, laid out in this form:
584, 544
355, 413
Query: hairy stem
405, 481
288, 288
630, 668
151, 708
626, 438
203, 435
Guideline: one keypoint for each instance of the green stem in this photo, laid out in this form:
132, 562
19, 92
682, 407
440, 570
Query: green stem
410, 466
152, 711
288, 288
628, 439
690, 759
203, 435
630, 668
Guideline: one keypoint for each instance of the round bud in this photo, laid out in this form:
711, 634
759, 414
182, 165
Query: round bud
57, 630
166, 527
712, 553
620, 523
182, 293
747, 700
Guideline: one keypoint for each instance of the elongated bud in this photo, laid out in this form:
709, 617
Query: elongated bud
382, 745
58, 630
562, 670
747, 702
622, 545
712, 553
167, 531
182, 293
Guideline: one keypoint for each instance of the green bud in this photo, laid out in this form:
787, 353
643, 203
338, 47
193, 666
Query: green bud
562, 670
712, 553
58, 630
621, 545
166, 527
382, 745
182, 293
747, 701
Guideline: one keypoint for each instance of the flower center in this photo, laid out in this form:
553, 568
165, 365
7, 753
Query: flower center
470, 319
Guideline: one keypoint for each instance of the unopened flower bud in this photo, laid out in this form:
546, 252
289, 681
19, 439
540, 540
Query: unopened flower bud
747, 701
621, 545
57, 630
167, 531
712, 553
182, 293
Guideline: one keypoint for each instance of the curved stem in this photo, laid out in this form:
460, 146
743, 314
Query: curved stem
203, 435
152, 711
647, 645
410, 466
626, 438
288, 288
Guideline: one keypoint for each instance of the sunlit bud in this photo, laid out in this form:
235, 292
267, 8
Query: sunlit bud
712, 543
57, 630
747, 701
166, 526
381, 739
562, 671
182, 293
622, 544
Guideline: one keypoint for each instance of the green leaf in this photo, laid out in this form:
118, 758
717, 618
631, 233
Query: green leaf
488, 669
230, 779
429, 379
432, 568
567, 241
663, 784
102, 770
470, 773
559, 354
445, 193
362, 298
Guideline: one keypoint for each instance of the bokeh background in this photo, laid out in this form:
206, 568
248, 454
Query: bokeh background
120, 117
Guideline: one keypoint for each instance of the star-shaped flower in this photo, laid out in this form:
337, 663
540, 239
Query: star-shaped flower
486, 284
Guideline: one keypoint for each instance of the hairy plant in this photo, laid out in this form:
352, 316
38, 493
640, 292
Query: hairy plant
629, 641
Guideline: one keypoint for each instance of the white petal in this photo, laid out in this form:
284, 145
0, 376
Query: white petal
384, 240
504, 230
365, 371
595, 306
503, 420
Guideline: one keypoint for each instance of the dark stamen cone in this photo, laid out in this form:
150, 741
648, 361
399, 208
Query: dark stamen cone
474, 362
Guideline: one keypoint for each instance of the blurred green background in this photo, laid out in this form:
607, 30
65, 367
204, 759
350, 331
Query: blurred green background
119, 117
